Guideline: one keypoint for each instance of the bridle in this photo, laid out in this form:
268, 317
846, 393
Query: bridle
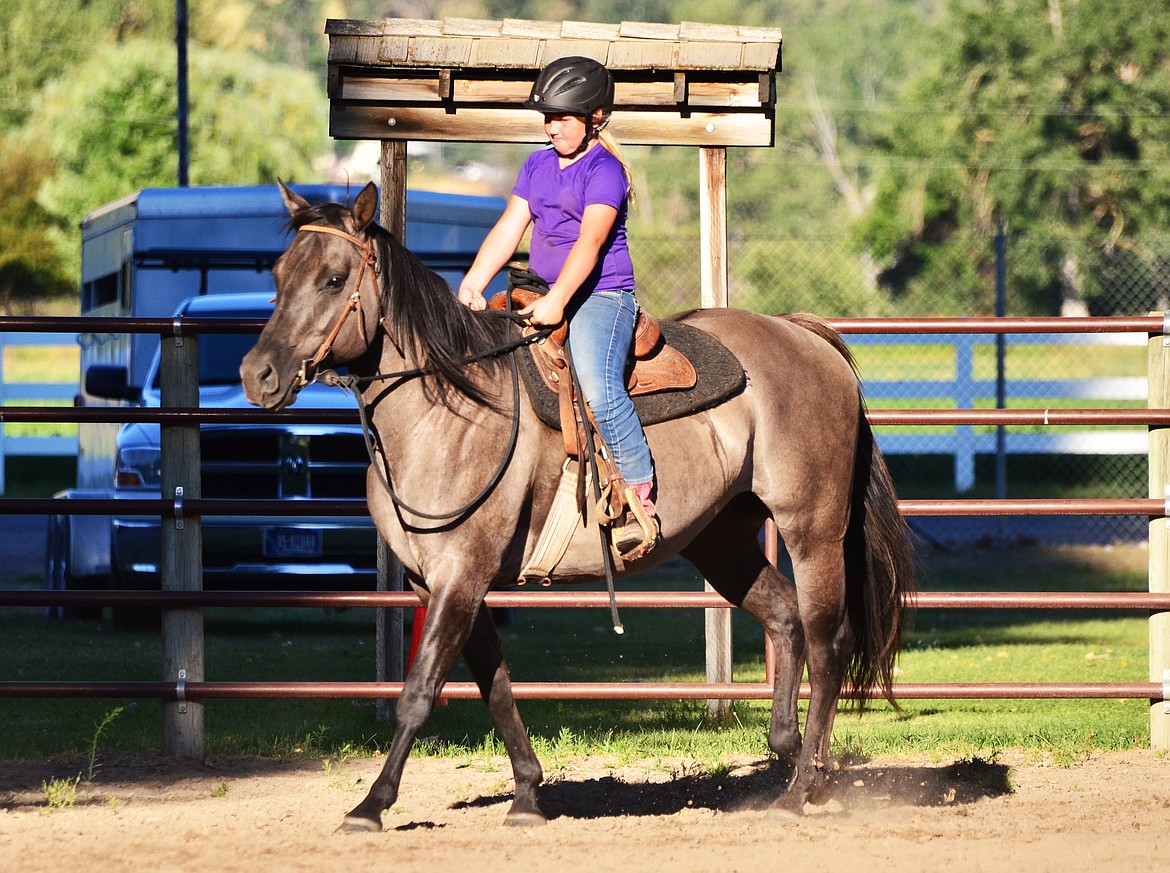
368, 259
353, 384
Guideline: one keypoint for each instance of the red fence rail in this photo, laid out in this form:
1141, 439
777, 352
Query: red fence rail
1157, 602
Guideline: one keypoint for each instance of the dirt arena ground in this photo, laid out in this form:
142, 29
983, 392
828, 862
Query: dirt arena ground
1110, 812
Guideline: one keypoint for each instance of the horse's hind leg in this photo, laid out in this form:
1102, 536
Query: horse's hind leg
728, 554
448, 626
819, 572
485, 658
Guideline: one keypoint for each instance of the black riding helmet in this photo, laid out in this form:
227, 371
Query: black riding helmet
573, 86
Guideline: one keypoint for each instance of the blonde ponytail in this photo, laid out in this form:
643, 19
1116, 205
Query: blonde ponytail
611, 145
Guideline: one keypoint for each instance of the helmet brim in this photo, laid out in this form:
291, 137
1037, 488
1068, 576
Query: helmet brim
552, 108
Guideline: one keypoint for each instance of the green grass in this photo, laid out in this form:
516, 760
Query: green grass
38, 476
575, 644
893, 361
23, 364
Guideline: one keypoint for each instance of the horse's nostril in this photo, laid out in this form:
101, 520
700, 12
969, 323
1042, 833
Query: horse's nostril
261, 382
269, 379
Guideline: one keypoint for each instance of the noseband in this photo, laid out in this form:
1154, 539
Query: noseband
366, 247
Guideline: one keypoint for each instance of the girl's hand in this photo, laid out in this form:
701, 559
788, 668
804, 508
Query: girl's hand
471, 298
547, 311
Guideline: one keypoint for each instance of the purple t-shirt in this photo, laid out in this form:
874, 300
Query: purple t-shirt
557, 199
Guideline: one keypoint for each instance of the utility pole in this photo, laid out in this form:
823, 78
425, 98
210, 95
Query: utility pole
181, 45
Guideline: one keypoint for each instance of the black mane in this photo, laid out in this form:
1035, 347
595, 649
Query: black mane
424, 315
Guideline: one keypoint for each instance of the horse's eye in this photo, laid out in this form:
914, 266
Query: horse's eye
335, 283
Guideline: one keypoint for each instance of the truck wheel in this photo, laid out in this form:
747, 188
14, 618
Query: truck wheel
59, 577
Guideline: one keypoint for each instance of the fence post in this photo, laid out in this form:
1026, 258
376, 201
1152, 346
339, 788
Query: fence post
713, 292
388, 622
964, 399
182, 546
1158, 373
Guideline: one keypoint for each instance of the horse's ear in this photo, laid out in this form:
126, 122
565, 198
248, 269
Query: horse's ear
365, 207
292, 200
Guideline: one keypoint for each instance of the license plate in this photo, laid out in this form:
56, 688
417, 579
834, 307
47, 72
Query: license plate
291, 542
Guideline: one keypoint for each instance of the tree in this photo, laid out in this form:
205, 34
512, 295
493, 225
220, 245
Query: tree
39, 41
29, 267
111, 127
1054, 118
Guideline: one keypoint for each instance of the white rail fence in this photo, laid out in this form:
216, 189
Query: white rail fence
35, 394
964, 391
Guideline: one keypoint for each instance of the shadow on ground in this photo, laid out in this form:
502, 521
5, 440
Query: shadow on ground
963, 782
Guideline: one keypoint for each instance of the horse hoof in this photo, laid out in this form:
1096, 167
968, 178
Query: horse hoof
788, 808
784, 815
353, 824
525, 820
820, 793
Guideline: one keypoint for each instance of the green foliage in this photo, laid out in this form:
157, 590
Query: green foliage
1050, 117
41, 42
63, 793
60, 793
30, 270
830, 284
100, 728
111, 129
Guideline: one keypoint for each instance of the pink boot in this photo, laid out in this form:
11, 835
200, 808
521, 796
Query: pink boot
643, 491
631, 541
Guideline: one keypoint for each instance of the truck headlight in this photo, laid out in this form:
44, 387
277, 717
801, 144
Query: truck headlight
138, 468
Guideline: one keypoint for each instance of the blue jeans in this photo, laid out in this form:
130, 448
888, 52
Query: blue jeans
601, 330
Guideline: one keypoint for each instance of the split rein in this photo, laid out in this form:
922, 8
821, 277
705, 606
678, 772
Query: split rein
354, 384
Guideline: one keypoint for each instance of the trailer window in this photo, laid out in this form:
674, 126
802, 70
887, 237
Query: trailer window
99, 292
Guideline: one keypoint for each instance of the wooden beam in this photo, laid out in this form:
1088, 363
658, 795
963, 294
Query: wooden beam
370, 85
181, 568
713, 293
713, 227
388, 622
706, 129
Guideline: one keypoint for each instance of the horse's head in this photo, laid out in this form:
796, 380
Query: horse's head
327, 298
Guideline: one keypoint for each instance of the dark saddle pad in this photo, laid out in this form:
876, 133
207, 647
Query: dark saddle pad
720, 376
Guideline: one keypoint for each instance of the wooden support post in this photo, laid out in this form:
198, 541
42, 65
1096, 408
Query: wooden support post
1158, 373
388, 622
713, 226
713, 292
182, 548
393, 200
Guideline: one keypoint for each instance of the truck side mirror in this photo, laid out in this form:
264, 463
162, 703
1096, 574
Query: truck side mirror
111, 382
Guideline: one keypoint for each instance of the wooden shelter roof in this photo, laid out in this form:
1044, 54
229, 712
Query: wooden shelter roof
516, 43
466, 79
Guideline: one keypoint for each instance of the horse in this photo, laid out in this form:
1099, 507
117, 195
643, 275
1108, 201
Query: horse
442, 405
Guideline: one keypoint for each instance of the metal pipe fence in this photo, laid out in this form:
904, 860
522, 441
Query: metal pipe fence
1155, 508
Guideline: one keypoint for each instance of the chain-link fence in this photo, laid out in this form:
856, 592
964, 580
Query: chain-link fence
1025, 276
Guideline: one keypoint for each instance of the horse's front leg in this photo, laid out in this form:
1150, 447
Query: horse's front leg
485, 658
450, 615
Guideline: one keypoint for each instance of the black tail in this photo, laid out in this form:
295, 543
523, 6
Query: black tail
880, 571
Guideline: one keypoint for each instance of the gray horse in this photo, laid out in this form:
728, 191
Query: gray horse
793, 445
